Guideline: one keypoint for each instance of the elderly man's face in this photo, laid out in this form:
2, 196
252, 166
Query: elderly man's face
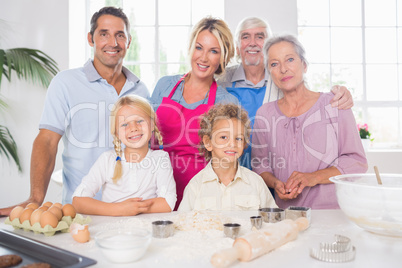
251, 44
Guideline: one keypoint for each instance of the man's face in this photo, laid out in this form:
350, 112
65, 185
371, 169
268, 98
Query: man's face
251, 44
110, 41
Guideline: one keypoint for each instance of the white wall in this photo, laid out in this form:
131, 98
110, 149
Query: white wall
43, 24
39, 24
281, 15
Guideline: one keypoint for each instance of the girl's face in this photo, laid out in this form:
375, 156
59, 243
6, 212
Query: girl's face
133, 127
286, 67
227, 141
206, 56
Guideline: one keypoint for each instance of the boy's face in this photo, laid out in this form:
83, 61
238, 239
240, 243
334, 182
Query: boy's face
227, 142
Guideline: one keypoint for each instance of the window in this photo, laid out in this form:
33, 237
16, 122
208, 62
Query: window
358, 43
160, 30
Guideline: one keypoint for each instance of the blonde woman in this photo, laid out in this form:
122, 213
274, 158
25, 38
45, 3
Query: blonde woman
182, 99
133, 178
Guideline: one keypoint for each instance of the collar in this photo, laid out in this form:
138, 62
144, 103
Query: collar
123, 157
92, 74
240, 75
210, 175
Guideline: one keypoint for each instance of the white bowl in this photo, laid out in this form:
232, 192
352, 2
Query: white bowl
373, 207
123, 245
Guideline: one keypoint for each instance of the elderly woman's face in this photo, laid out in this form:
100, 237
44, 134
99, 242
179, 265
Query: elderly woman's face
285, 66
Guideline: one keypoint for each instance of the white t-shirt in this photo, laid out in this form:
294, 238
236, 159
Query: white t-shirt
247, 191
150, 178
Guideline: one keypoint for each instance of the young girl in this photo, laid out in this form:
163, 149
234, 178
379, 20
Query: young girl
223, 184
133, 179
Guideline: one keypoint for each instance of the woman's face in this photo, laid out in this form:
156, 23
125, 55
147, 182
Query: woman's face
206, 56
285, 66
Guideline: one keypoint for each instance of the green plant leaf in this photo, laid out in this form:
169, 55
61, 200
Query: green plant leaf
29, 64
3, 104
8, 147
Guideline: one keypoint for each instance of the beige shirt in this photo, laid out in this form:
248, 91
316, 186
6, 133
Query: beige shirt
247, 191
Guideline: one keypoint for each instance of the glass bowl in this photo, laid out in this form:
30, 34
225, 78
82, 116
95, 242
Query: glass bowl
123, 245
373, 207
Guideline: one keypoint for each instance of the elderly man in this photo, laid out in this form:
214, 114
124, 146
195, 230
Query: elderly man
251, 83
77, 107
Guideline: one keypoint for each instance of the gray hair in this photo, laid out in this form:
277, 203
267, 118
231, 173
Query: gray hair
300, 51
250, 23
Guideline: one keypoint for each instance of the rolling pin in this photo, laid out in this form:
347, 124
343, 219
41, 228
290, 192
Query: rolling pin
257, 243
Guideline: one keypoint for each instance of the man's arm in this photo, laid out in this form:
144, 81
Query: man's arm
343, 98
43, 159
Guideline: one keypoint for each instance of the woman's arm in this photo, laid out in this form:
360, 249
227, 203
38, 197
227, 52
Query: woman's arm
298, 180
275, 184
352, 158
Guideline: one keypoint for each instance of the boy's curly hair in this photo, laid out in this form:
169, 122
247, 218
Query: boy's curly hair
218, 112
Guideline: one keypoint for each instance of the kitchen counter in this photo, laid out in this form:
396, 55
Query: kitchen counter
194, 248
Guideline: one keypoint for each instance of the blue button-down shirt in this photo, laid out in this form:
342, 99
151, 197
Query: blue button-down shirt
77, 106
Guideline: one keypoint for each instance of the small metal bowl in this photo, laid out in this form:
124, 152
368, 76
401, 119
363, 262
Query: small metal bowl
162, 229
272, 214
231, 230
296, 212
256, 221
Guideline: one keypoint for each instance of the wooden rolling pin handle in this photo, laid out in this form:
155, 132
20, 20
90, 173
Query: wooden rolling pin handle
226, 257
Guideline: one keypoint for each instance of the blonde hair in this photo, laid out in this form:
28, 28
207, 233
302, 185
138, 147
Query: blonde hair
221, 31
139, 103
218, 112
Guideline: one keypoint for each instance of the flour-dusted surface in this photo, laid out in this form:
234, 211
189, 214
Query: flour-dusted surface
324, 225
198, 235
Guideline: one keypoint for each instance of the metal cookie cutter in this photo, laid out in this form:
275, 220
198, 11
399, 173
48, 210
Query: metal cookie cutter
162, 229
339, 251
293, 213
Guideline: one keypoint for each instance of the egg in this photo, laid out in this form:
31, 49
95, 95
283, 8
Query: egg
32, 205
16, 212
47, 204
44, 208
79, 232
35, 216
48, 218
56, 211
68, 210
57, 205
26, 214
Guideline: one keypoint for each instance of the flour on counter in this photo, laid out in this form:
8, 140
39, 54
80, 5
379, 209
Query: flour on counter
198, 235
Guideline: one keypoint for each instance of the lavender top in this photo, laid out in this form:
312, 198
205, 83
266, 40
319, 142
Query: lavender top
320, 138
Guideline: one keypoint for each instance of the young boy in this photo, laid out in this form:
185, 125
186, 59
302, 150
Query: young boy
223, 184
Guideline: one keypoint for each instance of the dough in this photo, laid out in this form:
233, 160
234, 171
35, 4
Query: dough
9, 260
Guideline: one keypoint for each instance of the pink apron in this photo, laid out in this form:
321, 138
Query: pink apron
179, 128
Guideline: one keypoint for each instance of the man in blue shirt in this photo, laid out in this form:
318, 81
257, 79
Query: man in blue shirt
78, 104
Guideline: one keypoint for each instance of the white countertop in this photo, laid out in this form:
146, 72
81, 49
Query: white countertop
195, 250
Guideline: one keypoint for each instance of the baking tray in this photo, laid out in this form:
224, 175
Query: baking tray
32, 251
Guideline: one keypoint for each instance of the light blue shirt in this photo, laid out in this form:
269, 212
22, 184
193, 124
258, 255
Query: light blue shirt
77, 106
167, 83
236, 74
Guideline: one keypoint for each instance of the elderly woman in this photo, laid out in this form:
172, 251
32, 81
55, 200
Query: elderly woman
180, 100
300, 141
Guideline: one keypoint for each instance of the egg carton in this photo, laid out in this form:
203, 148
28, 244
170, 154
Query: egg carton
62, 226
